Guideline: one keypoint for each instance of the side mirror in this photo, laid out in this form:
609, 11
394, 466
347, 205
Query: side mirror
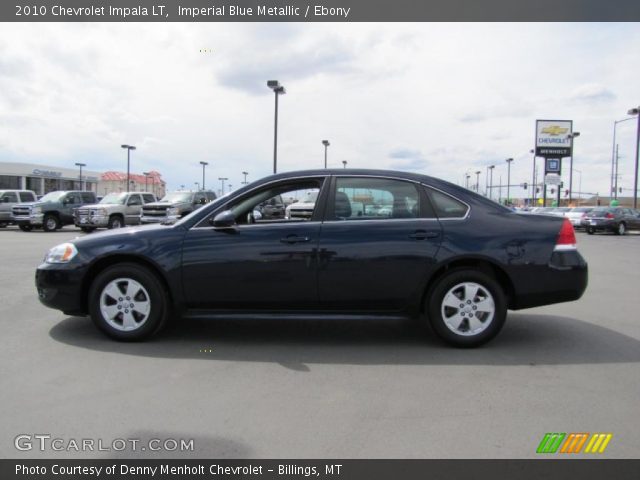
224, 219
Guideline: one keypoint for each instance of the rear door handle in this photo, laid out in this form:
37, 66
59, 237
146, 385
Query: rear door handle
291, 239
423, 235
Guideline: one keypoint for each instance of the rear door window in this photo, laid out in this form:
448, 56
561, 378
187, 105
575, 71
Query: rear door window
447, 206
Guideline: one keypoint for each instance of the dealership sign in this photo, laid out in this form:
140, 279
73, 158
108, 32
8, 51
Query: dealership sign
553, 138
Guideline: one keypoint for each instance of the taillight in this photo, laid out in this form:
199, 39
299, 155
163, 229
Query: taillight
609, 215
566, 237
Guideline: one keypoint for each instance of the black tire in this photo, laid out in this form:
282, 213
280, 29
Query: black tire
155, 294
590, 231
50, 223
115, 221
87, 229
25, 228
621, 229
3, 225
452, 283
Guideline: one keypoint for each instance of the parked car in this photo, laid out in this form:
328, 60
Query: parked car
461, 259
302, 209
272, 209
114, 211
51, 212
576, 214
10, 198
611, 219
174, 206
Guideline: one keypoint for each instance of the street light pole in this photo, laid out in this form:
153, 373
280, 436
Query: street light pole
222, 179
614, 155
491, 167
81, 165
204, 164
478, 181
571, 136
467, 176
344, 164
326, 145
636, 112
508, 160
277, 90
533, 179
245, 177
146, 177
129, 148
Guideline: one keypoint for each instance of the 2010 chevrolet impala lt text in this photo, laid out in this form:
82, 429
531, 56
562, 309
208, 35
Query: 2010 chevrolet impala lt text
372, 243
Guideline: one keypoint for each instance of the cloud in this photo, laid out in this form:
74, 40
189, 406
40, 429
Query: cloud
592, 92
408, 159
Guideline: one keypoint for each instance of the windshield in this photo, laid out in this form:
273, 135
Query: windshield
177, 197
52, 197
598, 212
114, 199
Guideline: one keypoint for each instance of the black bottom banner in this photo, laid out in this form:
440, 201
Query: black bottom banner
582, 469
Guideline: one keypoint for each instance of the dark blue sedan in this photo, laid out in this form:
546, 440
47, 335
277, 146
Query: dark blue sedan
368, 243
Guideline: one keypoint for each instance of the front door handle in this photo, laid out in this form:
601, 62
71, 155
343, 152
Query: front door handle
291, 239
423, 235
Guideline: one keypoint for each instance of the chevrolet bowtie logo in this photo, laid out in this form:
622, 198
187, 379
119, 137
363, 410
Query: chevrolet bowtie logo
555, 130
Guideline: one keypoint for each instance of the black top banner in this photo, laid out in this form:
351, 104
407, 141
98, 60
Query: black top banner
320, 11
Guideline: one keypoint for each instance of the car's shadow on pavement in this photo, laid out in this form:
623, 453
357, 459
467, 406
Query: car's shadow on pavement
525, 340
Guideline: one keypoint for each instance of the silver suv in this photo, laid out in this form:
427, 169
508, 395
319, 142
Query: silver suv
9, 198
114, 211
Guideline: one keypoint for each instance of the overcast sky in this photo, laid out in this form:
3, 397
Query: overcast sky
440, 99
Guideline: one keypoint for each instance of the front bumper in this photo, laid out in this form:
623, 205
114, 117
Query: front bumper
35, 219
59, 286
91, 221
165, 219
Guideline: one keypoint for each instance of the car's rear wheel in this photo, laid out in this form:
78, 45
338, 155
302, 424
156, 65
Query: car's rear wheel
590, 231
115, 221
25, 228
50, 223
128, 302
466, 308
621, 229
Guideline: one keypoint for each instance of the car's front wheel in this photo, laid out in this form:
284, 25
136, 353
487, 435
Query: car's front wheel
115, 221
621, 229
128, 302
466, 308
50, 223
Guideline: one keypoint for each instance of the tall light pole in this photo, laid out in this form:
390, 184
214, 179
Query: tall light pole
197, 184
204, 164
467, 176
614, 154
245, 177
508, 160
222, 179
277, 90
491, 167
81, 165
636, 112
571, 136
344, 164
129, 148
146, 177
478, 181
326, 145
533, 178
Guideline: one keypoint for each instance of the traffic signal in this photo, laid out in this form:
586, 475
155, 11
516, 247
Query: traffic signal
620, 190
553, 190
525, 185
537, 189
566, 192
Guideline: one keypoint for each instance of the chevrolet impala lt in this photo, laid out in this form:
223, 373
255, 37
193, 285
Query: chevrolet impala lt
375, 244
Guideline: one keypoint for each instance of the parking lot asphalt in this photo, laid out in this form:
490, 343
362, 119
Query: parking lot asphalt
324, 389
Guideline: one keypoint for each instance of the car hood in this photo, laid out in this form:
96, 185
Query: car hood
162, 204
99, 205
30, 204
112, 236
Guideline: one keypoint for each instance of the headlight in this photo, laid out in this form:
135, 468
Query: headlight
101, 211
36, 210
173, 211
62, 253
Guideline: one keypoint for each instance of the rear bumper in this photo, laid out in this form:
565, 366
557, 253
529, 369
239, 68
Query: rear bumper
600, 225
60, 287
563, 279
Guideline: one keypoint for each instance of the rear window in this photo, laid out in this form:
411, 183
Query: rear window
599, 212
446, 206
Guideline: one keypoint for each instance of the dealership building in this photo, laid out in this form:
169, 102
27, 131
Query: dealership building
43, 179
